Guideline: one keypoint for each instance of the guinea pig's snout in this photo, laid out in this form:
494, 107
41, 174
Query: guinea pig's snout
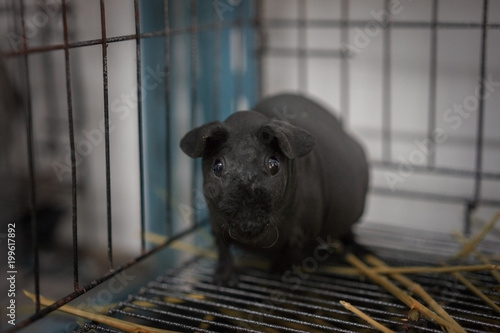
250, 179
246, 208
249, 227
244, 178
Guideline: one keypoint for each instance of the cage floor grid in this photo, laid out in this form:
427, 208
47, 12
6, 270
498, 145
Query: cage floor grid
184, 300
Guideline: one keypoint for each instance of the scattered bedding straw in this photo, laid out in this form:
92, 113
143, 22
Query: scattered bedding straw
476, 291
413, 270
365, 317
482, 258
471, 245
417, 289
102, 319
397, 292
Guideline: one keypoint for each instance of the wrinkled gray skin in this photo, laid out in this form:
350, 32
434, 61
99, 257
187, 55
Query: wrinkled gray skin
318, 190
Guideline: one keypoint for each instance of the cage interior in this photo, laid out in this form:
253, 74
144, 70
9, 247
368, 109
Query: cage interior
110, 214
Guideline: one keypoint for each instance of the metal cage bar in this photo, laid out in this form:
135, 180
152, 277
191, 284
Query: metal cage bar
386, 89
140, 125
344, 63
168, 121
106, 132
480, 119
302, 45
217, 66
74, 201
193, 54
431, 160
31, 163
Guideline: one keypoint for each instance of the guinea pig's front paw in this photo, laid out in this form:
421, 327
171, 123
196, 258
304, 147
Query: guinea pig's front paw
225, 275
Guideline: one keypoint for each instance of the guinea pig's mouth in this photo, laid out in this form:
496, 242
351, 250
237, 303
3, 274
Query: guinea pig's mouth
248, 215
250, 233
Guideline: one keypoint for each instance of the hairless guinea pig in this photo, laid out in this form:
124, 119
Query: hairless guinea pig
277, 178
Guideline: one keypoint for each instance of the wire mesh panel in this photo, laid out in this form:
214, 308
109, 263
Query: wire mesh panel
415, 80
97, 97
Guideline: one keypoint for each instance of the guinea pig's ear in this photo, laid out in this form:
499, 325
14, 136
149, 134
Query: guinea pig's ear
293, 141
198, 140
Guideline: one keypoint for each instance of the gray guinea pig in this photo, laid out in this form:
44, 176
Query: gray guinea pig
278, 180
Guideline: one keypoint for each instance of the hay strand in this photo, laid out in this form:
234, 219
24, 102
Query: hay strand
478, 255
476, 291
413, 270
417, 289
396, 291
471, 245
365, 317
110, 321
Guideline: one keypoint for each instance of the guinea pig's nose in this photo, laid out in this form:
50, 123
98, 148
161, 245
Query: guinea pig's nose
245, 177
250, 178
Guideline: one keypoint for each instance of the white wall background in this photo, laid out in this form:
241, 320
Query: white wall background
458, 70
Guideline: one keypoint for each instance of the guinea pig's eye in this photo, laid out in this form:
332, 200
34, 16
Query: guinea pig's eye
218, 167
274, 165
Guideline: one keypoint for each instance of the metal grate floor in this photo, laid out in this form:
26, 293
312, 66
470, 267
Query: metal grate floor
184, 300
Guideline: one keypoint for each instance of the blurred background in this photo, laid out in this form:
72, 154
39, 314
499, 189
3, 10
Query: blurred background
118, 83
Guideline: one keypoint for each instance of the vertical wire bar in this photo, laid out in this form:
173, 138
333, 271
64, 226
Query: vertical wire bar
74, 191
239, 77
302, 45
106, 132
217, 65
31, 162
386, 92
140, 122
431, 125
194, 93
168, 120
261, 47
480, 121
344, 62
